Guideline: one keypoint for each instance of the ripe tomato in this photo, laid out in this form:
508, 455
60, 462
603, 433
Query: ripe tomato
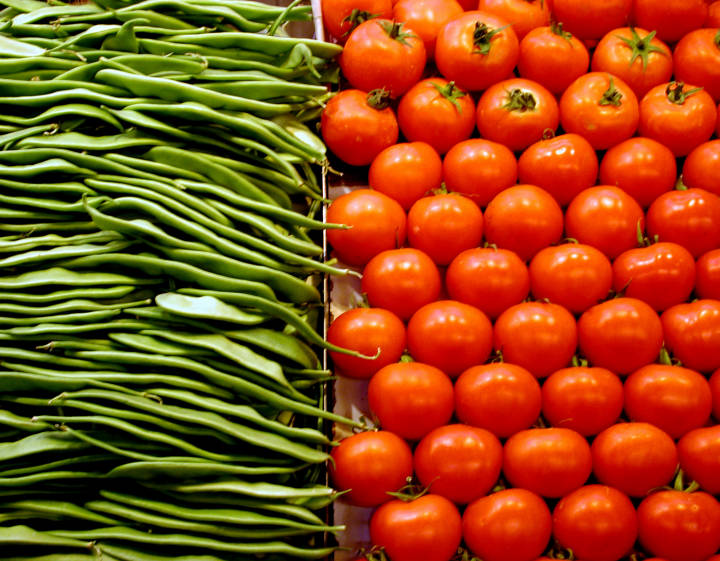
479, 169
563, 166
376, 223
680, 117
490, 279
621, 335
357, 126
437, 112
586, 400
500, 397
458, 462
476, 50
443, 225
713, 19
596, 522
381, 53
702, 167
715, 389
707, 275
697, 60
401, 280
370, 464
411, 398
406, 172
606, 218
699, 452
662, 274
510, 525
692, 334
366, 330
338, 15
426, 18
450, 335
525, 15
428, 528
523, 219
591, 19
671, 19
642, 167
516, 113
576, 276
601, 108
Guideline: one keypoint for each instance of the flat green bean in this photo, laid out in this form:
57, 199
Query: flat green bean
160, 468
60, 276
27, 243
53, 476
33, 227
63, 252
24, 535
80, 109
282, 344
10, 419
81, 141
79, 317
79, 305
39, 443
80, 460
275, 45
216, 10
62, 508
118, 291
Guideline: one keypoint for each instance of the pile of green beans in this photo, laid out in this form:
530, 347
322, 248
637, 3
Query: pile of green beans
161, 395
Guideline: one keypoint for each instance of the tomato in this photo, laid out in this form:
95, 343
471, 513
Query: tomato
370, 464
591, 19
428, 528
523, 219
381, 53
563, 166
699, 452
586, 400
642, 167
702, 167
715, 389
690, 218
621, 335
337, 15
516, 113
476, 50
713, 19
606, 218
406, 172
459, 462
357, 126
450, 335
444, 225
680, 526
500, 397
411, 398
376, 223
426, 18
550, 462
437, 112
525, 15
707, 275
490, 279
510, 525
596, 522
662, 274
697, 60
479, 169
576, 276
670, 18
635, 56
679, 116
692, 334
601, 108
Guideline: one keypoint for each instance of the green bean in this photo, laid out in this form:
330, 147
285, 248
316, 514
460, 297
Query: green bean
80, 460
53, 165
60, 318
261, 490
47, 380
62, 508
154, 17
212, 75
71, 187
146, 343
38, 87
63, 252
76, 344
30, 228
147, 470
61, 97
257, 168
10, 138
264, 89
125, 554
221, 62
38, 443
212, 10
80, 141
165, 48
44, 477
55, 329
24, 243
99, 293
56, 12
34, 356
46, 204
24, 535
277, 342
11, 65
155, 168
275, 45
14, 48
206, 307
7, 418
31, 214
81, 109
48, 31
42, 74
60, 276
67, 306
59, 557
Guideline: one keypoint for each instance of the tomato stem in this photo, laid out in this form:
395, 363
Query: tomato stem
556, 27
379, 99
394, 30
357, 17
450, 92
675, 93
482, 36
612, 95
519, 100
410, 491
717, 39
641, 47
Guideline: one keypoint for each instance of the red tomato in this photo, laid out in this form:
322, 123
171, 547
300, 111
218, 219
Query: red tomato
490, 279
523, 219
689, 217
357, 126
406, 172
713, 19
586, 400
376, 223
680, 526
563, 166
606, 218
661, 275
428, 528
697, 60
525, 15
692, 334
699, 452
450, 335
679, 116
444, 225
576, 276
437, 112
596, 522
500, 397
591, 19
476, 50
550, 462
601, 108
479, 169
401, 280
621, 335
381, 53
510, 525
702, 167
670, 18
516, 113
715, 389
370, 464
426, 18
459, 462
411, 398
337, 14
707, 275
642, 167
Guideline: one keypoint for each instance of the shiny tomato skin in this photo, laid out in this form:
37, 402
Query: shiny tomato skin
715, 389
525, 15
713, 20
426, 18
510, 525
671, 19
692, 334
500, 397
591, 19
707, 275
336, 12
702, 167
699, 452
697, 60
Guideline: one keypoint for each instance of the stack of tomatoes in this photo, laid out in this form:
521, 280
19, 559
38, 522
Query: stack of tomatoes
539, 242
